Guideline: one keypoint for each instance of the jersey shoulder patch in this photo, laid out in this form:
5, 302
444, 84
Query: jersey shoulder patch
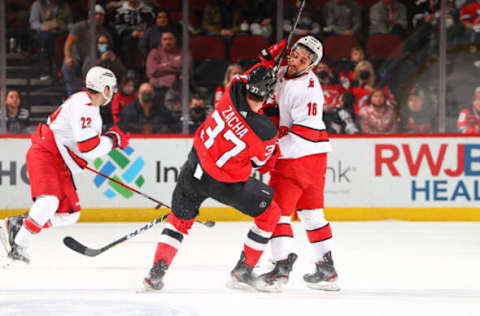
262, 126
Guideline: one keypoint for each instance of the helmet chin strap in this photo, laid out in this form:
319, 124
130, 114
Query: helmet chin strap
108, 98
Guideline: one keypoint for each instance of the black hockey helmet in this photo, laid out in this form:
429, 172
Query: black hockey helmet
261, 82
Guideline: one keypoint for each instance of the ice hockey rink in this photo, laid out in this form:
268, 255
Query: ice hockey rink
385, 267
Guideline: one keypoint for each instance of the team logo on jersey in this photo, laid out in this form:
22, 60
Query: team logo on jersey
311, 84
123, 166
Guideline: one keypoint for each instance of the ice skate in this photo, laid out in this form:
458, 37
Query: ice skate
280, 273
19, 254
154, 280
12, 225
325, 276
242, 278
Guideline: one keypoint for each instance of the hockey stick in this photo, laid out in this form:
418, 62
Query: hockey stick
207, 223
289, 38
73, 244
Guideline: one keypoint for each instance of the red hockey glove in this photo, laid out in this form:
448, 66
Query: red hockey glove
120, 139
270, 54
270, 164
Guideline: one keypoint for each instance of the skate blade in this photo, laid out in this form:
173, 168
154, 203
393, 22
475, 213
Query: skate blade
234, 284
11, 263
145, 287
329, 286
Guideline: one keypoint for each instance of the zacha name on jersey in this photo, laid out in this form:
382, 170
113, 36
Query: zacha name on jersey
234, 122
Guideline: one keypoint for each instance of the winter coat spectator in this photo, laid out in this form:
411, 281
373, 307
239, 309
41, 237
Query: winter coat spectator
468, 121
222, 17
131, 21
198, 112
125, 95
388, 17
232, 70
378, 117
308, 23
144, 116
49, 18
17, 116
106, 58
151, 37
342, 17
417, 116
164, 63
77, 48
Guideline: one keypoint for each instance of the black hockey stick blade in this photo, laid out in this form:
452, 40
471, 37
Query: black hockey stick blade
78, 247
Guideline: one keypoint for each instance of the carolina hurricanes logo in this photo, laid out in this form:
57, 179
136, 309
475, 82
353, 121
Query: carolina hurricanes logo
311, 84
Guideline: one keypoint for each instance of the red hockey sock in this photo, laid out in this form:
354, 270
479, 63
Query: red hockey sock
165, 252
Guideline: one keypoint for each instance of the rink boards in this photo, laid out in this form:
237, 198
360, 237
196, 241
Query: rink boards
377, 177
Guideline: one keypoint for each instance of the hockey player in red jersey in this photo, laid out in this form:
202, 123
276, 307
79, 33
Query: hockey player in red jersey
59, 149
234, 138
298, 178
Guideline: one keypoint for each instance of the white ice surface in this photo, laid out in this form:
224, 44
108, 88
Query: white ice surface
385, 268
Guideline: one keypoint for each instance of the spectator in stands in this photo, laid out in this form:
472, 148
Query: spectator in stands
470, 17
364, 81
259, 16
308, 23
77, 47
388, 17
345, 68
468, 121
143, 116
131, 21
198, 112
152, 35
17, 24
378, 117
232, 70
17, 116
417, 116
125, 95
164, 64
105, 57
49, 18
222, 17
343, 17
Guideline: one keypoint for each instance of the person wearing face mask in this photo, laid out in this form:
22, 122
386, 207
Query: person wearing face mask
76, 50
377, 117
198, 112
105, 57
63, 146
364, 80
146, 116
123, 97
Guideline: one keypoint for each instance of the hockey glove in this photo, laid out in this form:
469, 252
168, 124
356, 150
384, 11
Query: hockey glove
271, 54
120, 139
270, 164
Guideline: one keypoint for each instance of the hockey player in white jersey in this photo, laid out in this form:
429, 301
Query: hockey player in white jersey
298, 178
60, 148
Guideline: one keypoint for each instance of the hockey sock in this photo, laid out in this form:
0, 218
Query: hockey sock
259, 235
63, 219
42, 210
282, 239
318, 230
171, 238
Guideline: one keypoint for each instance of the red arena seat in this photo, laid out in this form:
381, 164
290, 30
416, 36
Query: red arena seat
382, 46
207, 47
247, 47
338, 46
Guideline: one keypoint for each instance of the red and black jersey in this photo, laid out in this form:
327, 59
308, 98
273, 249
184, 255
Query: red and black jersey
233, 137
468, 121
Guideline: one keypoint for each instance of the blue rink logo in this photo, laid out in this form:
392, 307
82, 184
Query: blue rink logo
123, 166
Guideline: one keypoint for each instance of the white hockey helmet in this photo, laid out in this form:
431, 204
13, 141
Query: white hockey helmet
313, 45
98, 78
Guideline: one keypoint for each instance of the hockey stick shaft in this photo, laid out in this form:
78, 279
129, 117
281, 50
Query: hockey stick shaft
207, 223
129, 188
290, 36
78, 247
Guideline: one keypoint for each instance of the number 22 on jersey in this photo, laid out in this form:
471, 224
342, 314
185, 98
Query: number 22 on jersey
228, 136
